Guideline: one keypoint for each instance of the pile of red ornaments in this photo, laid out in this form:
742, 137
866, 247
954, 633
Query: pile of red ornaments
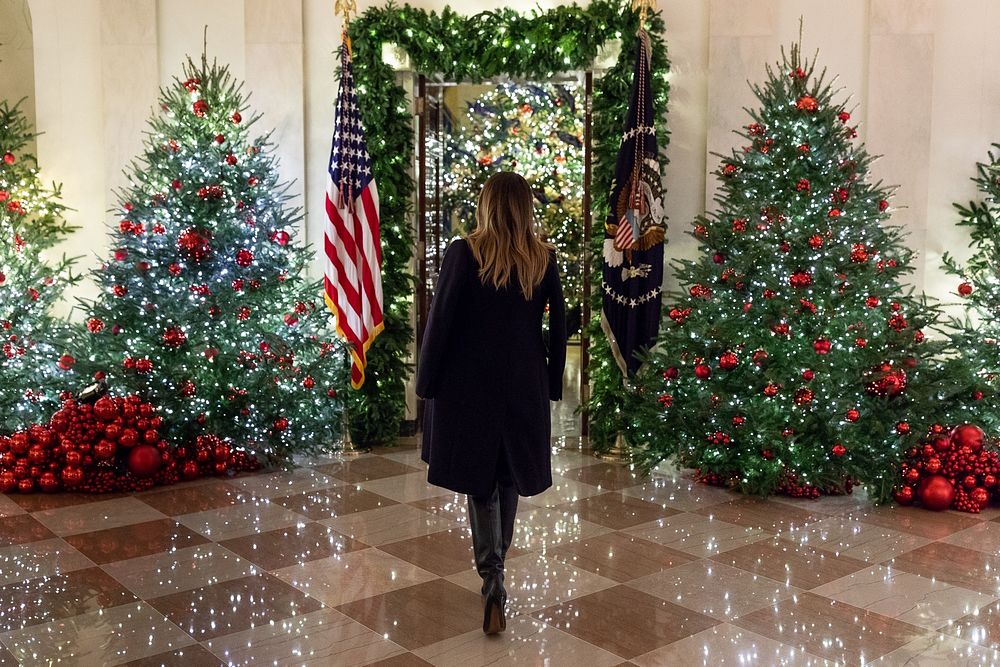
112, 444
789, 485
951, 470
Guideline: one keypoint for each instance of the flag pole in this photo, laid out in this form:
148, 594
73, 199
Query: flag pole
348, 448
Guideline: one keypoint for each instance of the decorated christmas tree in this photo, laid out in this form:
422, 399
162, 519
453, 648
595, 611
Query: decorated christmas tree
795, 360
205, 309
537, 131
976, 334
33, 365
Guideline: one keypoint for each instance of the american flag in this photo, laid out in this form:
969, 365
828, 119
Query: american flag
353, 247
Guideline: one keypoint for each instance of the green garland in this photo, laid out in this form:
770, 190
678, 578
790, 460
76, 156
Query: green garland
535, 46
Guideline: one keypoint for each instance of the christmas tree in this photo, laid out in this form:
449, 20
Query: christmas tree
33, 363
205, 309
976, 334
794, 361
537, 131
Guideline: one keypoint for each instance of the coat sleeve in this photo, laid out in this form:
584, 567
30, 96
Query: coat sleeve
433, 347
557, 334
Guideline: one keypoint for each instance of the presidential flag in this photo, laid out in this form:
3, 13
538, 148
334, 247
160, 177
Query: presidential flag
353, 246
634, 232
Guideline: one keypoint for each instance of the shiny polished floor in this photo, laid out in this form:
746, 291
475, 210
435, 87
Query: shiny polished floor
360, 562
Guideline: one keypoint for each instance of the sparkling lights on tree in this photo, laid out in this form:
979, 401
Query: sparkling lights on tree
33, 364
794, 361
537, 131
204, 307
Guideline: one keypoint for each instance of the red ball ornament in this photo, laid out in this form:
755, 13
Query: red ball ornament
128, 438
965, 289
969, 482
48, 482
968, 435
280, 424
189, 470
71, 476
803, 396
66, 362
281, 237
933, 465
105, 450
144, 461
838, 450
989, 481
807, 103
104, 409
980, 497
73, 458
912, 475
8, 158
936, 493
174, 337
244, 258
702, 371
193, 244
200, 108
904, 496
822, 346
26, 485
853, 415
308, 383
800, 279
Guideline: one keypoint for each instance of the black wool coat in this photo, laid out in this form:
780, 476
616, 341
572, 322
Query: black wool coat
488, 376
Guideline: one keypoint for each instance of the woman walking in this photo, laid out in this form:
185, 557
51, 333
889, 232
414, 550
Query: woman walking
489, 375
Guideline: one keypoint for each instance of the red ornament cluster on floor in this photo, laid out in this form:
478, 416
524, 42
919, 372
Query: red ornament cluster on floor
111, 445
951, 470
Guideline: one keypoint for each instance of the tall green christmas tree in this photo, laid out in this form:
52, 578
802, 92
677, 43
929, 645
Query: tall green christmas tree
33, 366
537, 131
976, 334
794, 361
205, 308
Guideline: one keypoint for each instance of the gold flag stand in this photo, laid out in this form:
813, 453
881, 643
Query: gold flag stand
619, 452
644, 7
348, 449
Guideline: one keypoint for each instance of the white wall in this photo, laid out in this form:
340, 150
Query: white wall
925, 74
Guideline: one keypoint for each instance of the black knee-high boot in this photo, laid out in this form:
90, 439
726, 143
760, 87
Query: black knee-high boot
508, 513
487, 547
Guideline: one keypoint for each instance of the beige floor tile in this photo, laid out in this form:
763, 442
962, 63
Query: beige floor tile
257, 516
907, 597
696, 534
105, 637
181, 570
534, 582
97, 516
527, 641
566, 459
407, 456
855, 538
714, 589
678, 491
388, 524
352, 576
39, 559
563, 491
543, 528
403, 488
726, 645
934, 650
319, 638
981, 537
285, 483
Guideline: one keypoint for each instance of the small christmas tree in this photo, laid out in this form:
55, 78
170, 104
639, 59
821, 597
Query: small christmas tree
33, 365
976, 334
204, 308
537, 131
795, 361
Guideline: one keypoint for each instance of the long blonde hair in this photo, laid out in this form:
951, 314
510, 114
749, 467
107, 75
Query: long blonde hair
506, 237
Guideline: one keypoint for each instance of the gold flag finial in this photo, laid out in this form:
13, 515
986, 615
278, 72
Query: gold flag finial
643, 7
345, 8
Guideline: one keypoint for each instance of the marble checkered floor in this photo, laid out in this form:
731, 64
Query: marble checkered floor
361, 562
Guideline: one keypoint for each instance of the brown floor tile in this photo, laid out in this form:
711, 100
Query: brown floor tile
185, 500
21, 529
607, 476
443, 553
51, 598
419, 615
141, 539
39, 502
617, 511
452, 506
797, 565
235, 605
401, 660
916, 520
830, 629
952, 564
195, 655
337, 501
638, 623
762, 514
295, 544
618, 556
7, 658
365, 469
